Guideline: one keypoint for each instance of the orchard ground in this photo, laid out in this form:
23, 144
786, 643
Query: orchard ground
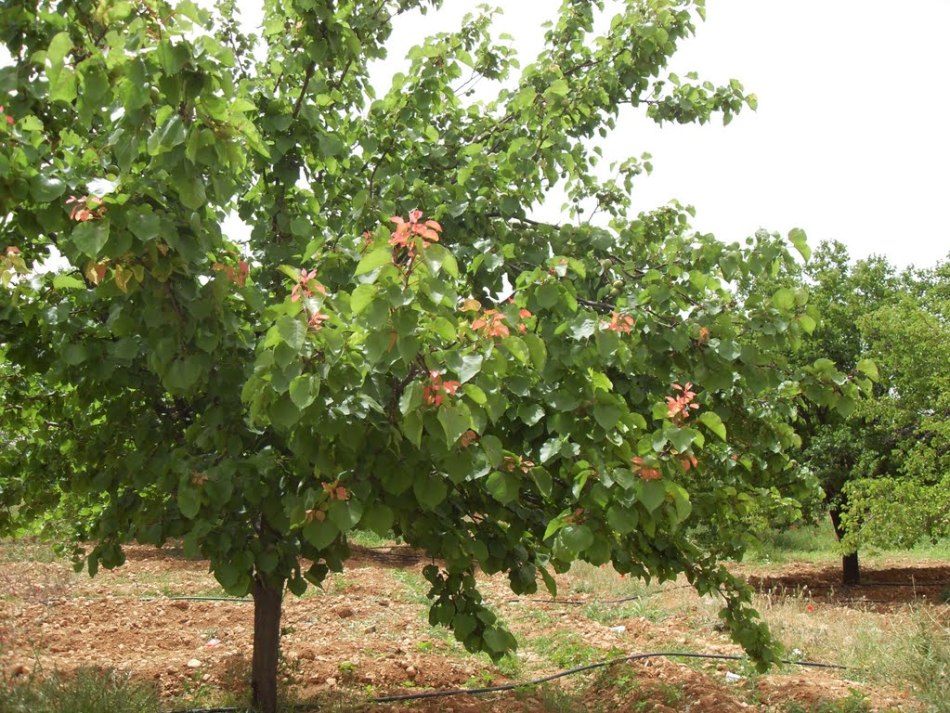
366, 635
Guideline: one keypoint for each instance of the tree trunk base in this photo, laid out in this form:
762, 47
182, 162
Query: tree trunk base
850, 567
267, 609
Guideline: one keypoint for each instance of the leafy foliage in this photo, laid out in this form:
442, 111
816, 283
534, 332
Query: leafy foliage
882, 461
505, 394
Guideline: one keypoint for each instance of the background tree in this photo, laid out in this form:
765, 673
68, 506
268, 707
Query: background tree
504, 394
904, 496
880, 459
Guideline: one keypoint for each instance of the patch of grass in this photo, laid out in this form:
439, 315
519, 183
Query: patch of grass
28, 549
854, 703
551, 698
415, 587
603, 582
565, 650
509, 665
86, 691
610, 614
817, 543
908, 649
923, 659
370, 539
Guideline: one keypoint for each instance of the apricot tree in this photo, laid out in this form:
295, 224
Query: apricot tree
398, 346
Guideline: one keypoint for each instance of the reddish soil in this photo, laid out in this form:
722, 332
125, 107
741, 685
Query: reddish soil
879, 589
366, 635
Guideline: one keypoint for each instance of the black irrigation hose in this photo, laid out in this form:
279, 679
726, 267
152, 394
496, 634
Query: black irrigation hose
537, 681
900, 584
208, 599
581, 669
515, 600
583, 602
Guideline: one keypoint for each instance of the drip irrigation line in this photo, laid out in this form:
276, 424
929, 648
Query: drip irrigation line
581, 669
863, 600
198, 599
514, 600
535, 682
839, 585
918, 585
582, 602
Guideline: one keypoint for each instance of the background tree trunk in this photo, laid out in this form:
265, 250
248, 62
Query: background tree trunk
267, 606
850, 568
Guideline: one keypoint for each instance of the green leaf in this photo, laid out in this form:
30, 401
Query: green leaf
576, 538
711, 420
465, 366
412, 428
494, 451
303, 390
74, 354
167, 136
558, 88
606, 415
807, 323
600, 381
378, 518
547, 295
869, 369
498, 640
62, 85
345, 513
537, 349
439, 258
784, 299
283, 413
144, 224
292, 331
430, 491
681, 438
651, 493
183, 374
503, 486
556, 524
68, 282
549, 582
411, 398
44, 189
798, 238
623, 520
189, 501
191, 191
444, 328
372, 261
60, 46
320, 534
845, 406
362, 297
455, 420
463, 625
518, 349
90, 237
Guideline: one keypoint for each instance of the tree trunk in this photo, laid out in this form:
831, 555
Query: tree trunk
267, 603
850, 569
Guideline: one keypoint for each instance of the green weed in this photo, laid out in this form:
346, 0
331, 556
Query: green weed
86, 691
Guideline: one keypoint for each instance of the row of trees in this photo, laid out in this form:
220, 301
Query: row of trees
631, 399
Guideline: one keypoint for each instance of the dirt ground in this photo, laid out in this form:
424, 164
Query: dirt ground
366, 635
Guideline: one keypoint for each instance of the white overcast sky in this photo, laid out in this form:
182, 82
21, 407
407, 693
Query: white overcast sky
851, 138
850, 141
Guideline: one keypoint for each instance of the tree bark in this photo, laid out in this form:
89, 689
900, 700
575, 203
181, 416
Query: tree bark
850, 568
267, 606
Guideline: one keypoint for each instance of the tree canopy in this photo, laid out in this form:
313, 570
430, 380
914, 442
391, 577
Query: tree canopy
398, 346
881, 461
